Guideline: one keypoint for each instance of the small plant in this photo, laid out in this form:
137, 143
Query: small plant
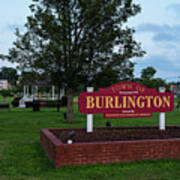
6, 93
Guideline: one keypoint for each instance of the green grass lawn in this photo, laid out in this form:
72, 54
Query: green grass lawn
22, 158
5, 99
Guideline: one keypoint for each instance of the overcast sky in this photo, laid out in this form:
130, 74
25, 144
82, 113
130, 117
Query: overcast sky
157, 28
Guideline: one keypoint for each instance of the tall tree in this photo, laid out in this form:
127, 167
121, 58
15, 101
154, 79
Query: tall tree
76, 40
148, 73
147, 78
10, 74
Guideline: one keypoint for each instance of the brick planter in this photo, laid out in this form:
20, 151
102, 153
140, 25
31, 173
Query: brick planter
106, 152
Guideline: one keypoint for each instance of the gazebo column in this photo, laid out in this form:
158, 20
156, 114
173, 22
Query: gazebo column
32, 92
36, 91
27, 90
53, 92
24, 90
62, 92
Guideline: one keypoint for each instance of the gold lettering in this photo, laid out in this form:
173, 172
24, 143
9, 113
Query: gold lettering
157, 101
123, 87
129, 86
124, 101
90, 102
140, 104
109, 102
99, 104
166, 101
117, 105
131, 101
149, 101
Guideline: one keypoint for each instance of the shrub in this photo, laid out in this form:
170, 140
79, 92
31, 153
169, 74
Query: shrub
6, 93
15, 101
51, 104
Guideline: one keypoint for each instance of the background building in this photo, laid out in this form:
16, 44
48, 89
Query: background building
4, 84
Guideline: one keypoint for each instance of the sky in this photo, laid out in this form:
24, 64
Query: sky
157, 29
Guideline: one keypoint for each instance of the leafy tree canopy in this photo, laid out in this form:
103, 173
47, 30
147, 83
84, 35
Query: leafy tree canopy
148, 73
9, 74
77, 40
154, 83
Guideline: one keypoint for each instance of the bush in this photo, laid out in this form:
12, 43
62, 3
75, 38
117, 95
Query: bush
29, 104
6, 93
51, 104
15, 101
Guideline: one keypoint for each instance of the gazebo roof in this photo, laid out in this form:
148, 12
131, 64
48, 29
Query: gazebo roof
45, 82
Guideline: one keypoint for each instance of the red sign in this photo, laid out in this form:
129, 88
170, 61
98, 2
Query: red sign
124, 100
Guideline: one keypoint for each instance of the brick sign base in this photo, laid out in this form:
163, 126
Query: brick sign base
106, 152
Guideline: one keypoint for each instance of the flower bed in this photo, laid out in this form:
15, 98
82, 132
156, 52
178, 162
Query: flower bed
110, 145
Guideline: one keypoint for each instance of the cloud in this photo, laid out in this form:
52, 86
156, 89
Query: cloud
8, 64
166, 37
160, 62
148, 27
166, 68
175, 9
161, 33
162, 44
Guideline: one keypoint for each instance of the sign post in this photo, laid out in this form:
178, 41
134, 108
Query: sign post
162, 115
89, 116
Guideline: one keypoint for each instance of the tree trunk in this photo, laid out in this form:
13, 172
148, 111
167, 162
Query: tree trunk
59, 89
70, 112
58, 101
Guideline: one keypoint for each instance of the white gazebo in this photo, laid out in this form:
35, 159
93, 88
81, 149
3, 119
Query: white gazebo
31, 92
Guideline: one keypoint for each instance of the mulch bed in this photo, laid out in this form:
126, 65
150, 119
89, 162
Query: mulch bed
118, 134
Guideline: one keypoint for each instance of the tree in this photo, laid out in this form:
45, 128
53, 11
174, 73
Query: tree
76, 40
148, 73
155, 83
109, 76
29, 77
148, 80
6, 93
10, 74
